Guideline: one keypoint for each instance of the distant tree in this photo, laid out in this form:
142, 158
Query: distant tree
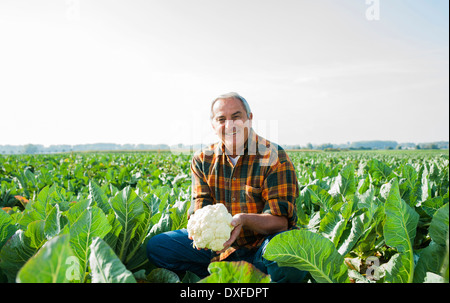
30, 149
430, 146
325, 146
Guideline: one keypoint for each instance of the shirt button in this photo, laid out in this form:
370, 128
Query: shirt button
233, 199
234, 178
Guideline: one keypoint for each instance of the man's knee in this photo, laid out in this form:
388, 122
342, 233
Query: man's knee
278, 274
285, 274
155, 248
173, 250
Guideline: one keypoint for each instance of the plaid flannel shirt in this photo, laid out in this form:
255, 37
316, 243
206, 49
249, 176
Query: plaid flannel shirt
262, 181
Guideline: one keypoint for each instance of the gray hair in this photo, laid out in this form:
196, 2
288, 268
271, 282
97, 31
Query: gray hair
235, 96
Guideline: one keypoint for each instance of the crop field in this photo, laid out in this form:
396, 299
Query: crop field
370, 217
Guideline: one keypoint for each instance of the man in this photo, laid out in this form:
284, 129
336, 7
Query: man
254, 179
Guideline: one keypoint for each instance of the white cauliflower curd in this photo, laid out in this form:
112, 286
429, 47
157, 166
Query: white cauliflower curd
210, 226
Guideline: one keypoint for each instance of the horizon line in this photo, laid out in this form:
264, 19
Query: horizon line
200, 143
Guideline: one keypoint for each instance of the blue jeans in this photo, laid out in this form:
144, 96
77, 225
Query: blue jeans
174, 251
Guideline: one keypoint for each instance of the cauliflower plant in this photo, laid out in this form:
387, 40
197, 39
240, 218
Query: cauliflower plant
385, 189
210, 227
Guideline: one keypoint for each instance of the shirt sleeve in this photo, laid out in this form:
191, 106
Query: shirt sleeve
201, 193
280, 191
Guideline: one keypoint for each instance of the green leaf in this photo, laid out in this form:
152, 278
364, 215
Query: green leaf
141, 232
162, 275
332, 226
410, 175
403, 268
310, 252
320, 197
178, 214
346, 181
439, 225
15, 253
52, 226
400, 229
392, 268
113, 235
97, 195
92, 223
49, 265
164, 224
35, 232
7, 228
234, 272
34, 211
379, 170
106, 266
153, 202
369, 202
190, 277
353, 235
77, 210
42, 204
408, 184
29, 215
431, 259
430, 206
445, 265
129, 210
335, 221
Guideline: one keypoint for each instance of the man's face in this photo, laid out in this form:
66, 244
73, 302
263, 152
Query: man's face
231, 124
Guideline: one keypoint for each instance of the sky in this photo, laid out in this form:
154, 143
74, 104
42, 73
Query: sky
312, 71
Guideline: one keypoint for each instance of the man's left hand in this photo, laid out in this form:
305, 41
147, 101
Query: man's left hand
237, 222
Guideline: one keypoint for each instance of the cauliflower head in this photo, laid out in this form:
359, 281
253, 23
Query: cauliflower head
210, 227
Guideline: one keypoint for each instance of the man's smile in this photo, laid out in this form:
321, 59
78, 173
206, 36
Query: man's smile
231, 134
